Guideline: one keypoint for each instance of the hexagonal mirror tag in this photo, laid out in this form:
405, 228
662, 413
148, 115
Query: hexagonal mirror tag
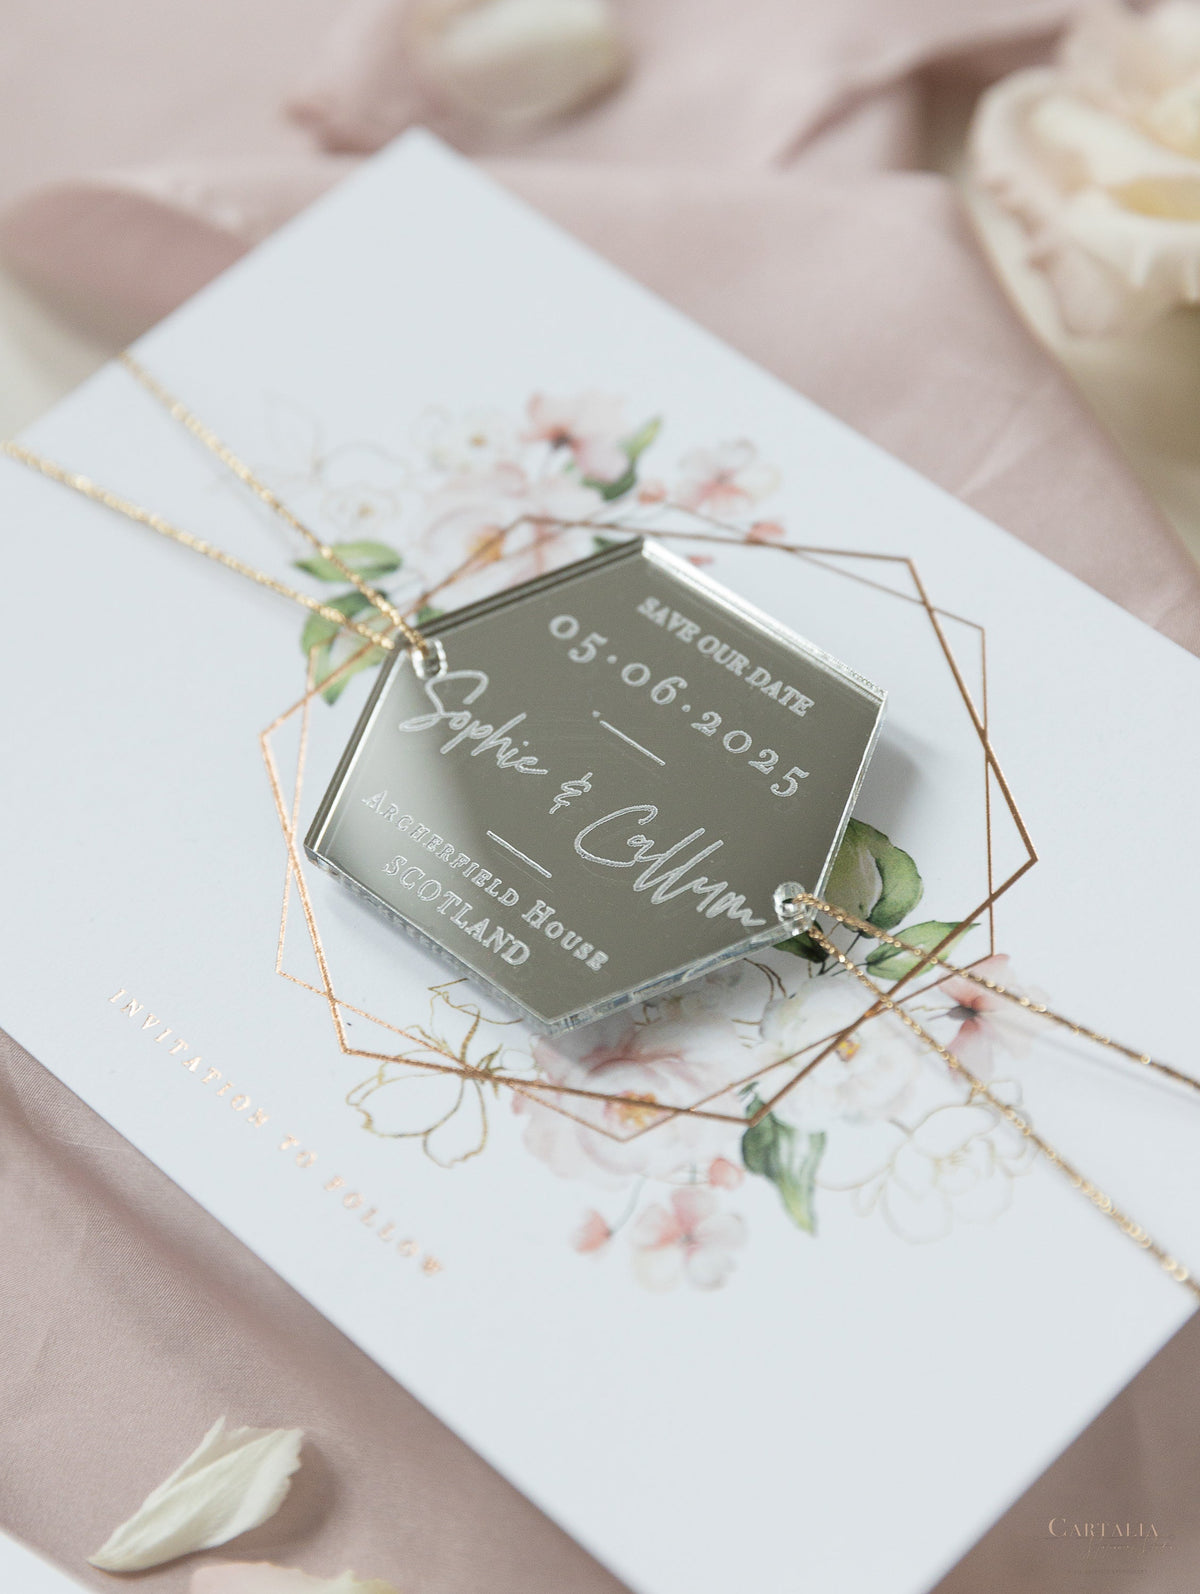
597, 795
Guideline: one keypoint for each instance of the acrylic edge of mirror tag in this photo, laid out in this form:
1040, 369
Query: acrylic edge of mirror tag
597, 797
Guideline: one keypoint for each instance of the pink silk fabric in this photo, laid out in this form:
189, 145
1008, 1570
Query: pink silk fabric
761, 169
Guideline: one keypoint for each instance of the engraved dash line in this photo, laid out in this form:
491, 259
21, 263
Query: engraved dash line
632, 743
517, 853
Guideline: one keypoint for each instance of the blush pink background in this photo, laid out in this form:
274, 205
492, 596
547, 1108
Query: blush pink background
760, 168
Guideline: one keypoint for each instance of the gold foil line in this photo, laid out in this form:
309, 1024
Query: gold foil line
669, 1110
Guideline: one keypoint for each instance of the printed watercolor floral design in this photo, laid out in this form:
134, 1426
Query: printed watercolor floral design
926, 1152
689, 1238
485, 500
988, 1023
640, 1067
411, 1097
956, 1164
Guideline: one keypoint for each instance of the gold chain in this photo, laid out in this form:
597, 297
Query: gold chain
928, 955
80, 483
1078, 1181
179, 411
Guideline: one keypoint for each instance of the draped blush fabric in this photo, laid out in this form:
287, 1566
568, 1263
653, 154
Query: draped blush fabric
130, 1321
760, 169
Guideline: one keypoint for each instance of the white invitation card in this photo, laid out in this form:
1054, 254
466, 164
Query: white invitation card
21, 1570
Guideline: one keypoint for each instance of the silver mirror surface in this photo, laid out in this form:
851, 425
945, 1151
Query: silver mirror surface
597, 797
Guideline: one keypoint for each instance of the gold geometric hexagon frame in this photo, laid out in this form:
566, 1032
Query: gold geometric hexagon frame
562, 1094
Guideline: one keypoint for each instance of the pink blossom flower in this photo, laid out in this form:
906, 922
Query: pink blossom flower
652, 492
465, 516
589, 425
639, 1068
988, 1021
725, 1175
592, 1235
691, 1239
724, 481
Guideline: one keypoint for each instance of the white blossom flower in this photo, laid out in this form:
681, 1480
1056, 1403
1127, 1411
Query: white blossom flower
957, 1164
638, 1069
476, 440
725, 480
871, 1074
728, 991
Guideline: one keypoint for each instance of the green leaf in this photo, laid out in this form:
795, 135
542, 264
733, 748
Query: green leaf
367, 559
855, 883
789, 1159
614, 489
637, 444
333, 645
326, 665
890, 963
319, 632
902, 885
802, 946
872, 878
633, 447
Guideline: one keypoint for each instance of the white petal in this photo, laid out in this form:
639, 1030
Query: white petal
1096, 147
1097, 159
947, 1129
724, 1231
1001, 158
1092, 299
975, 1164
708, 1266
518, 61
233, 1481
915, 1174
658, 1267
259, 1577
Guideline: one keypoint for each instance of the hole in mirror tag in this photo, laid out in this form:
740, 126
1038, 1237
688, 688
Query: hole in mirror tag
584, 791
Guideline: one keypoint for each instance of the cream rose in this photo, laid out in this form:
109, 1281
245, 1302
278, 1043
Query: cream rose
1099, 158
